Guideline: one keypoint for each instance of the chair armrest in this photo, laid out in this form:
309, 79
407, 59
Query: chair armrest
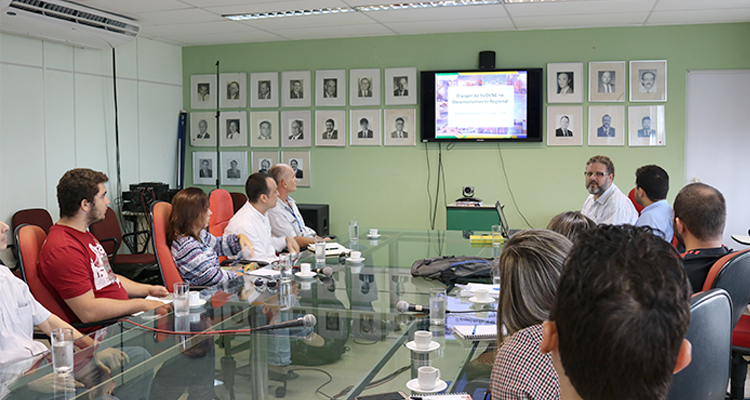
102, 323
112, 257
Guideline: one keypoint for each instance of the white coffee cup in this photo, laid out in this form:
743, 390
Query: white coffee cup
304, 268
373, 232
356, 255
428, 377
482, 294
194, 297
422, 339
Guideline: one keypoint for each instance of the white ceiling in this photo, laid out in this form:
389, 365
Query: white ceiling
199, 22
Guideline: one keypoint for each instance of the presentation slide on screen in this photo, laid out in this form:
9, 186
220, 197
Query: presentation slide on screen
480, 105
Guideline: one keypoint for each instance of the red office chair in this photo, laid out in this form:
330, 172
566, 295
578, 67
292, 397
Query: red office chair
732, 273
32, 216
631, 196
222, 210
160, 212
238, 200
133, 266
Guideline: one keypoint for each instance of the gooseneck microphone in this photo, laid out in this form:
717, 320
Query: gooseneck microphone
327, 271
404, 306
308, 321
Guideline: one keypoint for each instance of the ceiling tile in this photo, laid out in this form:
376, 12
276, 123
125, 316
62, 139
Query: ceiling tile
191, 15
474, 25
226, 38
312, 21
439, 13
130, 7
335, 32
699, 16
665, 5
581, 21
582, 7
203, 28
248, 8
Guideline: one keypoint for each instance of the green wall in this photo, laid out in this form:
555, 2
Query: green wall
386, 187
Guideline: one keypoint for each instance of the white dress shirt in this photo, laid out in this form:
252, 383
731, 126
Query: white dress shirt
612, 207
286, 220
19, 313
251, 223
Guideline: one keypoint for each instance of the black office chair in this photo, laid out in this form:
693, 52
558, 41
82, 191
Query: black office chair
710, 333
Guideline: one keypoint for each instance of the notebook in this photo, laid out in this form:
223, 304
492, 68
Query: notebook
476, 333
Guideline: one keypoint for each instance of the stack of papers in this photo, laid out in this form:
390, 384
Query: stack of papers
333, 249
470, 289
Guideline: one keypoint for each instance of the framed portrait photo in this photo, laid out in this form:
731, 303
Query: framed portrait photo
203, 129
646, 125
263, 160
264, 129
300, 163
607, 81
606, 125
295, 89
400, 127
364, 127
264, 89
204, 168
233, 125
364, 87
330, 87
648, 80
233, 168
203, 91
295, 129
233, 90
330, 128
565, 126
565, 83
401, 86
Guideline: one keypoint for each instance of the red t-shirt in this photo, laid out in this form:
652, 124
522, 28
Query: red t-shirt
71, 263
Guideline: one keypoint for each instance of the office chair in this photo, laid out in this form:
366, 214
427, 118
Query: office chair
238, 200
160, 212
133, 266
710, 333
732, 273
220, 203
631, 196
32, 216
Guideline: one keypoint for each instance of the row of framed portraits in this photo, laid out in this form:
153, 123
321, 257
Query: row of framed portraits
233, 166
296, 88
606, 126
607, 81
295, 128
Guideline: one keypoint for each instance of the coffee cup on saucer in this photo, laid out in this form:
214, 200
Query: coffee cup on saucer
304, 269
428, 377
482, 294
373, 232
194, 297
356, 255
422, 339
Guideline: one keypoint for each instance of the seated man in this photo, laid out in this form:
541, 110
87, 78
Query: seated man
617, 327
252, 221
73, 264
285, 218
651, 187
606, 204
700, 214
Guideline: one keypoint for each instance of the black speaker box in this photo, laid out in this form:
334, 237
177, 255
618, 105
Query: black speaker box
316, 217
486, 60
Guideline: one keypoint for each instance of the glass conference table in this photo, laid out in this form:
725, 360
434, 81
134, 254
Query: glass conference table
365, 336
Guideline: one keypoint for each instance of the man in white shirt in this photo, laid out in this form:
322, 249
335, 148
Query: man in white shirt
285, 218
251, 219
606, 204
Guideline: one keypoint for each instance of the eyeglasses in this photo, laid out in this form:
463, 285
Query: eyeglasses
597, 174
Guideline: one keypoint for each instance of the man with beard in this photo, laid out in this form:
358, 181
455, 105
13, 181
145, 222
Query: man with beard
73, 264
606, 204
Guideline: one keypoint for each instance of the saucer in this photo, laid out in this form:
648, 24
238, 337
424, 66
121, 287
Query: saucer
488, 301
374, 236
413, 385
305, 275
198, 303
432, 347
351, 260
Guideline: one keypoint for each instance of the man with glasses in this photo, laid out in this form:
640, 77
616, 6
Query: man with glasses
606, 204
285, 218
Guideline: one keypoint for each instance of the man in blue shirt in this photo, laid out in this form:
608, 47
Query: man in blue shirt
651, 187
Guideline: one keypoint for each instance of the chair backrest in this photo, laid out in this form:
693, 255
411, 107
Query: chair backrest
30, 239
710, 333
238, 200
222, 210
32, 216
732, 273
160, 212
631, 196
107, 229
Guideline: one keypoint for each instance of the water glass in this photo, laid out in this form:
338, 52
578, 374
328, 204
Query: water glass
497, 236
62, 350
495, 272
320, 250
438, 300
181, 299
285, 267
353, 231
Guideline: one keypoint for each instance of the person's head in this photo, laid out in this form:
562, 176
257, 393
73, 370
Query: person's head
529, 266
606, 77
293, 163
296, 85
647, 79
261, 191
570, 223
286, 182
599, 174
606, 121
190, 214
233, 126
702, 210
401, 82
4, 228
651, 182
83, 190
265, 129
204, 164
364, 84
329, 125
233, 89
202, 125
233, 164
399, 124
564, 122
364, 123
202, 89
296, 126
264, 87
563, 79
265, 164
646, 123
330, 86
620, 317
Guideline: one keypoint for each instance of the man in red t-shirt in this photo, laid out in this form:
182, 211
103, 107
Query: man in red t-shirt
73, 264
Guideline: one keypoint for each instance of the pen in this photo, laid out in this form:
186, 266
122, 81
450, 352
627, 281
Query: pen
475, 329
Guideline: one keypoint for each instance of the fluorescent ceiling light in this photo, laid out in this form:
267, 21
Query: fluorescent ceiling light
290, 13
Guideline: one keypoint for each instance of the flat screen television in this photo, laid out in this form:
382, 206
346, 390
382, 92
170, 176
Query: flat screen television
478, 106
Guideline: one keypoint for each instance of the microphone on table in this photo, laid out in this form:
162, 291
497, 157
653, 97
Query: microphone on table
307, 321
404, 306
327, 271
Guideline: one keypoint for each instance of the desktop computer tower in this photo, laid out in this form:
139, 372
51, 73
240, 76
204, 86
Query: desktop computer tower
316, 217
